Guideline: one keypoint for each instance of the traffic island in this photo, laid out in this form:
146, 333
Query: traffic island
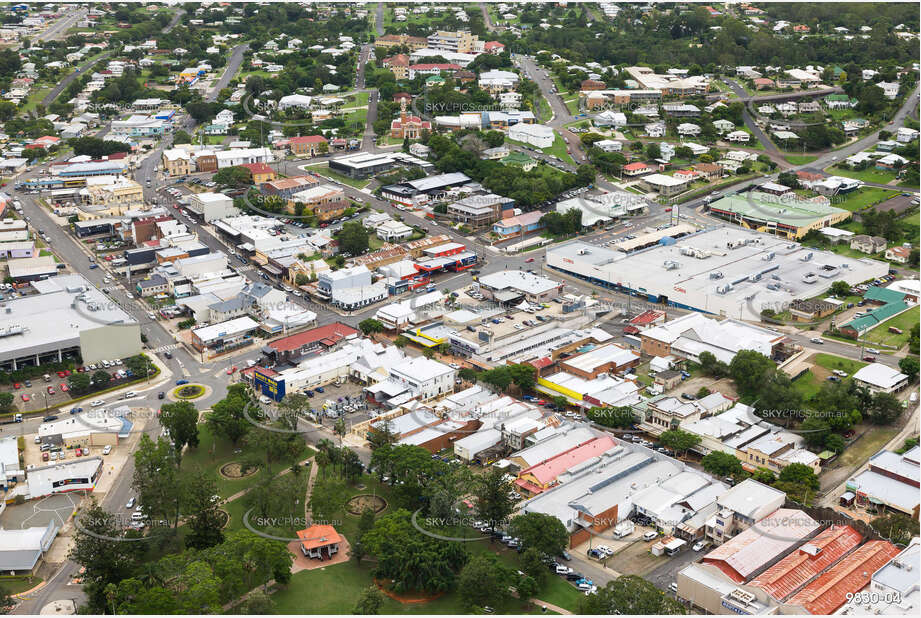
188, 392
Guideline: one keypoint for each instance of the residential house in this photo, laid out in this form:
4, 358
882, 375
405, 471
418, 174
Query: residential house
868, 244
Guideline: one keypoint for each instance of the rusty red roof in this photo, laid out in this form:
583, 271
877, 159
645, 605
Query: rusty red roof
751, 550
334, 333
829, 591
797, 569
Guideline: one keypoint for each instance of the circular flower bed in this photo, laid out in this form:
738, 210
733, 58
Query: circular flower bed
357, 504
189, 391
237, 470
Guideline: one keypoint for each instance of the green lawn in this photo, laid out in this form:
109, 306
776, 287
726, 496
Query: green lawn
871, 174
558, 149
15, 585
807, 385
904, 321
361, 98
860, 199
213, 452
343, 583
832, 362
573, 106
799, 159
867, 443
357, 116
324, 170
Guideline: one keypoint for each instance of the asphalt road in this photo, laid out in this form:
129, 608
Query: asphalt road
62, 25
64, 83
230, 70
379, 19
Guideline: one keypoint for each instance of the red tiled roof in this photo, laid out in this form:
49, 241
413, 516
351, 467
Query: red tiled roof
258, 168
334, 332
307, 139
492, 45
797, 569
541, 363
635, 166
829, 591
441, 66
318, 536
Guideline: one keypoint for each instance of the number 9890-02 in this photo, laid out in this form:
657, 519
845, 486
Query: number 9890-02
859, 598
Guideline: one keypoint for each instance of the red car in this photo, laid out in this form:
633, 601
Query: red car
529, 260
869, 359
64, 388
78, 452
61, 374
67, 372
17, 386
81, 369
25, 397
45, 456
232, 370
51, 390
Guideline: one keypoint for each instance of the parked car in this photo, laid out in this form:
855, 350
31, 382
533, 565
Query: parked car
650, 536
699, 545
107, 449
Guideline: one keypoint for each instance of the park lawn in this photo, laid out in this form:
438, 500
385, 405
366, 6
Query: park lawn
799, 159
558, 149
904, 321
286, 528
871, 174
860, 199
213, 452
324, 170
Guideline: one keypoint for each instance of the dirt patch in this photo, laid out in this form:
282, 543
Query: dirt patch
237, 470
692, 385
408, 597
357, 504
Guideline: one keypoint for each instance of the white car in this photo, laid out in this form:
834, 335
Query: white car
650, 536
107, 449
699, 545
97, 403
873, 351
817, 340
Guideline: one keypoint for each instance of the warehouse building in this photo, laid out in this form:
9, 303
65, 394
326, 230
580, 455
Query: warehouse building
21, 551
68, 318
725, 271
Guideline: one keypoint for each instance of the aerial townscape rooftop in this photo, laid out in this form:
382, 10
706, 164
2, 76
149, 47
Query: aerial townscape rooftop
583, 308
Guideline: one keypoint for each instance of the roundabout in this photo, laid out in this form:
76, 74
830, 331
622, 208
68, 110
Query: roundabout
188, 392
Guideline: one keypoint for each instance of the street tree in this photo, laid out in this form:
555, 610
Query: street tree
200, 504
228, 417
104, 558
545, 533
156, 479
492, 493
181, 420
631, 594
485, 581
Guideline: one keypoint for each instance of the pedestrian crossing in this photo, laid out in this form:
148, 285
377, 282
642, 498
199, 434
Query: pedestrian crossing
169, 347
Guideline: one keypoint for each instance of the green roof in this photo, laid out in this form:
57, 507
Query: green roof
761, 207
883, 295
876, 316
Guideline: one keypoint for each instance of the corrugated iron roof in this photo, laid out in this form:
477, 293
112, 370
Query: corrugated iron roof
746, 553
829, 591
800, 567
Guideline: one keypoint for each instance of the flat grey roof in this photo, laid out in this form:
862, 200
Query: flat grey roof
46, 322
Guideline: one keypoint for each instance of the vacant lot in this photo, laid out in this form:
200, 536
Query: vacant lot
903, 321
862, 198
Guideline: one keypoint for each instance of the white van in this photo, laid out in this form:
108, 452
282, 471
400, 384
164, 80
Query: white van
138, 516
